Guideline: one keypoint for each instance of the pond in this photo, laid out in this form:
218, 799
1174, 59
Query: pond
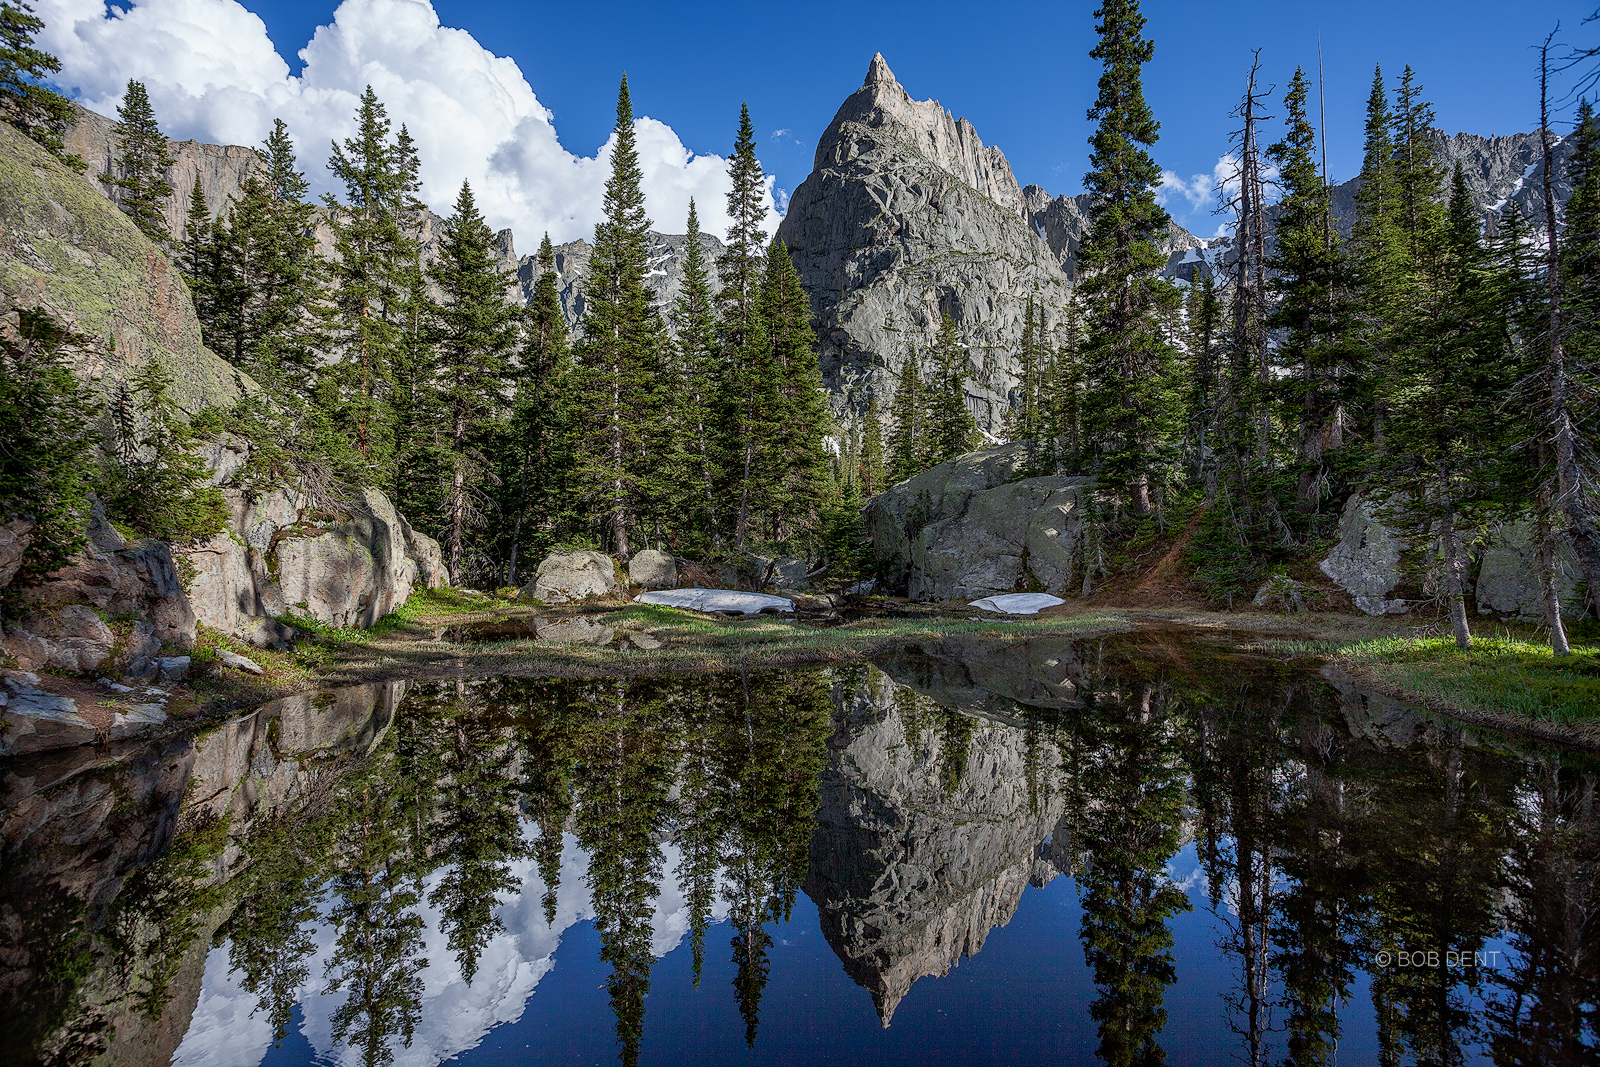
981, 851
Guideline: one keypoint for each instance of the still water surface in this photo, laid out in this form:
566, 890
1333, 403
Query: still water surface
976, 852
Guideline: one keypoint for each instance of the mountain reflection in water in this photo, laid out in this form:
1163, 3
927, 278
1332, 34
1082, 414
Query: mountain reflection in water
1233, 860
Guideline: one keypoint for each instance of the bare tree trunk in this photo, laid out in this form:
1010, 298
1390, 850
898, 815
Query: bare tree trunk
1547, 583
1569, 478
1454, 565
457, 495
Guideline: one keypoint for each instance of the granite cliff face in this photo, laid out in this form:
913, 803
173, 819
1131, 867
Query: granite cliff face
911, 864
907, 217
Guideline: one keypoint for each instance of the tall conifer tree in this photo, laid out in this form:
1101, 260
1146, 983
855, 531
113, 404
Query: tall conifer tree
949, 428
26, 101
622, 340
1130, 362
700, 365
140, 171
475, 329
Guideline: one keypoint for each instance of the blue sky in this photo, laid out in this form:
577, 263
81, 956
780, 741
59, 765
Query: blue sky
1020, 74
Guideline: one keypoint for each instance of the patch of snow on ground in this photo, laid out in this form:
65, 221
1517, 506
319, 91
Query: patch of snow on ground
1018, 603
715, 600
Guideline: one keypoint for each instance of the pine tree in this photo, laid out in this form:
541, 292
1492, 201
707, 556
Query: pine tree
950, 428
140, 171
47, 439
1449, 374
199, 260
621, 350
268, 285
700, 365
374, 259
475, 329
797, 463
752, 412
26, 101
874, 477
1022, 422
1205, 329
1380, 255
1128, 358
540, 423
905, 438
1308, 279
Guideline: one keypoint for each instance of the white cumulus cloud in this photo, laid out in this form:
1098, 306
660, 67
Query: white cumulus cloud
213, 74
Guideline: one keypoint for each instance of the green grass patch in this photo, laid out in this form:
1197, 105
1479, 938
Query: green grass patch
1504, 675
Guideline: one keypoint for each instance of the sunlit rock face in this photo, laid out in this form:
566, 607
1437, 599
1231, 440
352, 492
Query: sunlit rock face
929, 829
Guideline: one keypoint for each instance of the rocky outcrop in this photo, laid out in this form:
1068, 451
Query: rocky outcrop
1508, 576
907, 217
995, 521
1366, 560
568, 576
282, 553
912, 864
67, 251
137, 580
652, 569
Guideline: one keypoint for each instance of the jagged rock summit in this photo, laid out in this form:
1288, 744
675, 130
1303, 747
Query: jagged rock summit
907, 217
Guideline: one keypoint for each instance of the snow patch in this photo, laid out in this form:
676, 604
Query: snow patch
1018, 603
715, 600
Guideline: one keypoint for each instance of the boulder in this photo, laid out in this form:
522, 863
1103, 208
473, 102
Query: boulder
1366, 561
1508, 577
36, 720
984, 523
568, 576
652, 569
789, 572
281, 553
72, 637
238, 662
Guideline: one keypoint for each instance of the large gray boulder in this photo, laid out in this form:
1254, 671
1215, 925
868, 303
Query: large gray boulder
1508, 577
568, 576
653, 569
280, 553
1366, 561
981, 524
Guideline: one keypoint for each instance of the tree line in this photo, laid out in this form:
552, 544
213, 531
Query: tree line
1436, 360
485, 421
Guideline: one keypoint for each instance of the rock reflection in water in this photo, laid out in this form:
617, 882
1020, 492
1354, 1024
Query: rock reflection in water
387, 872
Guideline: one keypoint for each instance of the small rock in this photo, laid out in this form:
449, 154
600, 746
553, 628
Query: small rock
238, 662
171, 670
1281, 593
645, 641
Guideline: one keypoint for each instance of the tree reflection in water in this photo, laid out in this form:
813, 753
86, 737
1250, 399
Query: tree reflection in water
1330, 827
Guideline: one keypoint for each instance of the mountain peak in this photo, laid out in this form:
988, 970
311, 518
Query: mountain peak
878, 72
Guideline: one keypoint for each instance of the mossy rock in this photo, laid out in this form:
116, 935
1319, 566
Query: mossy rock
67, 249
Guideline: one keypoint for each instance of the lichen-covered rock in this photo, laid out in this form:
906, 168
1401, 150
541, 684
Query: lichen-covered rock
1281, 593
67, 250
73, 637
979, 525
1508, 577
1366, 561
653, 569
568, 576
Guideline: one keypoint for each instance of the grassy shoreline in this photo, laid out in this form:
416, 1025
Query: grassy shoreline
1505, 682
